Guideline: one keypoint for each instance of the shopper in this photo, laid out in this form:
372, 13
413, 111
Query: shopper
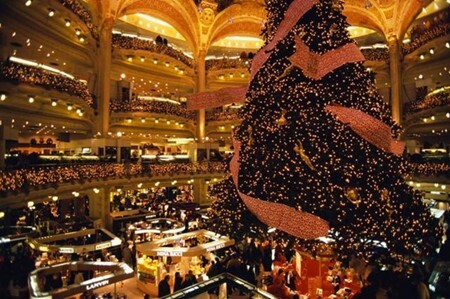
178, 282
164, 287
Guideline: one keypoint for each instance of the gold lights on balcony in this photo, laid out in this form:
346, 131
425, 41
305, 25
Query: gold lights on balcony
67, 22
2, 96
142, 58
431, 51
31, 99
69, 106
155, 60
54, 102
77, 31
51, 12
28, 3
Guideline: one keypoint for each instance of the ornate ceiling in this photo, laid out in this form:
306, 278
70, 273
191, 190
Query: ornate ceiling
200, 25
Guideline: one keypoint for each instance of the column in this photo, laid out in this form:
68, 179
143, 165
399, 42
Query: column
201, 86
395, 64
2, 152
200, 191
99, 206
104, 76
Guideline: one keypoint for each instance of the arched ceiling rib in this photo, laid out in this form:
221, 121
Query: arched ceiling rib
409, 12
238, 19
357, 16
177, 13
389, 17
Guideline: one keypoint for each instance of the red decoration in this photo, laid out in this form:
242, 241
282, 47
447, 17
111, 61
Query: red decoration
316, 66
288, 219
368, 127
218, 98
295, 11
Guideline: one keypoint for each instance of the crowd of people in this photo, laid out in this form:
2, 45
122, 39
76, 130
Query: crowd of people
84, 14
427, 31
379, 54
430, 169
136, 105
429, 102
134, 43
35, 76
24, 179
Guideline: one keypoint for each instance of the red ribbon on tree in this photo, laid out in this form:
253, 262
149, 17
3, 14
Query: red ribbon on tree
368, 127
288, 219
316, 66
295, 11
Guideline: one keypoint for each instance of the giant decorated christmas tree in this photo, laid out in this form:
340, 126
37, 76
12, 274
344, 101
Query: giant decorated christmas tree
316, 153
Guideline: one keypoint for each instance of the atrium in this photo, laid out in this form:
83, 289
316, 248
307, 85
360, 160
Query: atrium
129, 122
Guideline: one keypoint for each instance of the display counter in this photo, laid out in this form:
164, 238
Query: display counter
150, 229
180, 253
82, 241
105, 273
119, 219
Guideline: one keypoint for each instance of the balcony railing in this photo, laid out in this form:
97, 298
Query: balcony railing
22, 180
20, 73
83, 13
134, 43
166, 108
431, 101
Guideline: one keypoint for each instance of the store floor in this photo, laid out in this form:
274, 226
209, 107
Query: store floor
128, 287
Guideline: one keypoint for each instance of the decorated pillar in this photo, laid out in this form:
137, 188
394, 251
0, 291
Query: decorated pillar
207, 9
201, 87
395, 64
104, 76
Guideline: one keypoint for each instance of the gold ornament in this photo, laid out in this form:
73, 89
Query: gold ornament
250, 136
352, 195
298, 148
386, 198
334, 28
385, 195
336, 5
282, 121
285, 73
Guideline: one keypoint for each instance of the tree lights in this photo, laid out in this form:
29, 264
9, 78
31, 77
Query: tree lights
296, 152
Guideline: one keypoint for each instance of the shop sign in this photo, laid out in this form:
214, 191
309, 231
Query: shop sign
97, 284
169, 253
66, 250
216, 247
102, 245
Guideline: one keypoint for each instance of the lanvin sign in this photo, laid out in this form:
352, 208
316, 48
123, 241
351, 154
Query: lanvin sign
97, 284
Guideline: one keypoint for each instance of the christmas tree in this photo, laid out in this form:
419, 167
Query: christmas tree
316, 152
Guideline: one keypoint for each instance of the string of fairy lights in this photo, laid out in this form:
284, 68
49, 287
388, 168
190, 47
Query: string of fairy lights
293, 152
